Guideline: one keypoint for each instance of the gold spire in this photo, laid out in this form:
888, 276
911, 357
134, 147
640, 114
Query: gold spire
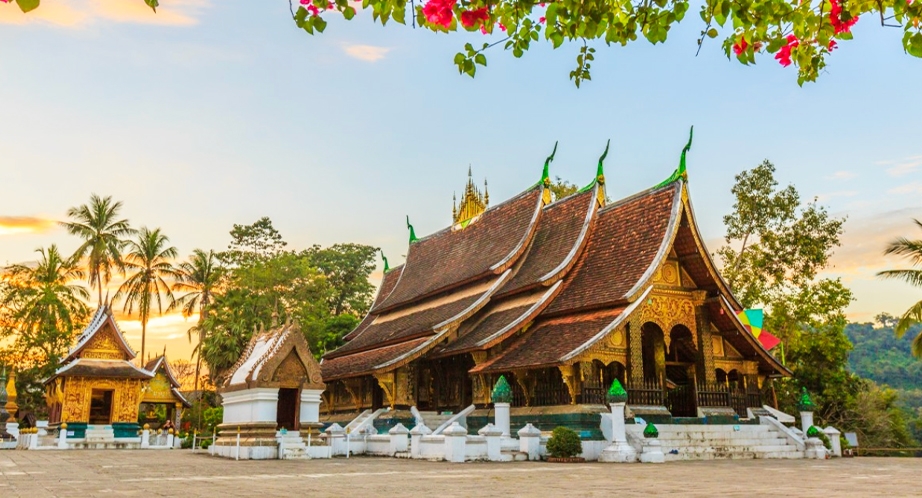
473, 202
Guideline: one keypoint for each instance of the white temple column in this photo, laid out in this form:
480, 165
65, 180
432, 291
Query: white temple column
310, 406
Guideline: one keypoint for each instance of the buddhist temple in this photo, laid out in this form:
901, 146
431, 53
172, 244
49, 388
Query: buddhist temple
98, 385
560, 296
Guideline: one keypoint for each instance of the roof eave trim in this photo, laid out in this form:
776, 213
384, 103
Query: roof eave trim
444, 327
529, 314
510, 258
665, 245
576, 249
705, 255
608, 328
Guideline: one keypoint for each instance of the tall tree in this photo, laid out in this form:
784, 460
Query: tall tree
149, 258
912, 251
103, 234
250, 243
776, 247
41, 306
198, 277
347, 267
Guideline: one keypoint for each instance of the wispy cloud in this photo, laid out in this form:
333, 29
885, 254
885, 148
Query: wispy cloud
11, 225
842, 175
907, 188
80, 13
368, 53
901, 167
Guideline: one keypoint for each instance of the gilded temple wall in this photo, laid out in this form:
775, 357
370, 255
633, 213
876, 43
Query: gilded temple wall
78, 392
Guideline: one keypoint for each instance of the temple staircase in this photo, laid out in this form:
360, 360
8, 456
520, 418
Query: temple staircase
713, 442
434, 420
291, 446
364, 420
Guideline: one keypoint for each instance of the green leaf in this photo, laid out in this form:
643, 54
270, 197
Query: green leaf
480, 59
153, 4
300, 16
320, 24
29, 5
349, 13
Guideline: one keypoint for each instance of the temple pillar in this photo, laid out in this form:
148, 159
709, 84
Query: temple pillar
569, 378
706, 369
635, 351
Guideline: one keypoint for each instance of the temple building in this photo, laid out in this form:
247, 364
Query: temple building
560, 297
98, 384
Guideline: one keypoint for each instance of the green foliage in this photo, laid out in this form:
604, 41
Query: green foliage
561, 188
27, 5
881, 356
911, 250
346, 267
325, 289
104, 236
41, 311
212, 419
564, 443
149, 258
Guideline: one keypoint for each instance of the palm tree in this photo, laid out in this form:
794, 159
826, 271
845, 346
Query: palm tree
148, 257
912, 250
103, 237
198, 278
42, 303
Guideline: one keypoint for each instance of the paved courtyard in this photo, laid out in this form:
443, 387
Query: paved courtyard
36, 474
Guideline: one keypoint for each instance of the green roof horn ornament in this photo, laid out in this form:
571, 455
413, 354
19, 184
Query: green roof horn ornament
805, 404
502, 391
680, 172
546, 177
616, 393
599, 176
413, 237
387, 267
650, 431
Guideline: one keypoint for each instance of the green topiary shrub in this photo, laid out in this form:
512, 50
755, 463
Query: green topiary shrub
564, 443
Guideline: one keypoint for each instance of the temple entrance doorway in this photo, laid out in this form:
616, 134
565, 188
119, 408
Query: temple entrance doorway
654, 353
447, 384
286, 415
101, 407
681, 397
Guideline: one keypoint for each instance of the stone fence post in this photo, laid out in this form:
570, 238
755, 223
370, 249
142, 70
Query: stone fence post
530, 441
493, 435
400, 439
416, 436
455, 442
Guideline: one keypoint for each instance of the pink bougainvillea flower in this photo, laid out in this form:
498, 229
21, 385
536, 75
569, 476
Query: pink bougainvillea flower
542, 19
784, 55
832, 45
740, 46
471, 18
835, 18
502, 28
439, 12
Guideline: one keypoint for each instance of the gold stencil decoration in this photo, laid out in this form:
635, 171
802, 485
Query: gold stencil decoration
291, 373
718, 345
159, 389
103, 347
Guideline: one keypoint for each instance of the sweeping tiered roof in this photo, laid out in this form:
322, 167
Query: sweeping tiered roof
546, 279
101, 351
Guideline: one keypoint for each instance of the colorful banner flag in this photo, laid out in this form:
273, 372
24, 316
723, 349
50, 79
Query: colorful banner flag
752, 320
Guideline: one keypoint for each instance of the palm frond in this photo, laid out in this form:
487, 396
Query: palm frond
913, 277
911, 317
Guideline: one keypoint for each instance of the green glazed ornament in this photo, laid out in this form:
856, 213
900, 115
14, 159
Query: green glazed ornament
502, 392
813, 431
805, 404
616, 393
650, 431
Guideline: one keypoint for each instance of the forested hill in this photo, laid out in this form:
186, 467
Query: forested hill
878, 355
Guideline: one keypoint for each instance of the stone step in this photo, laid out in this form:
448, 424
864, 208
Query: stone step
728, 449
723, 442
515, 456
742, 455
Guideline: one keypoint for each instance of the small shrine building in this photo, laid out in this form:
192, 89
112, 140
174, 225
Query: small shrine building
275, 385
560, 297
161, 391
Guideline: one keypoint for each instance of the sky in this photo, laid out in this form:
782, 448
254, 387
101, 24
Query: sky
212, 113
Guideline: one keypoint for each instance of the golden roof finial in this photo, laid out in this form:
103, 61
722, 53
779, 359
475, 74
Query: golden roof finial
473, 202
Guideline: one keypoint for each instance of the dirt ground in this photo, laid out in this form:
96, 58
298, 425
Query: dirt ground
37, 474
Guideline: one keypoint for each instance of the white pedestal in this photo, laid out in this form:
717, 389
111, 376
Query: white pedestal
455, 442
652, 452
530, 441
619, 451
806, 421
501, 418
